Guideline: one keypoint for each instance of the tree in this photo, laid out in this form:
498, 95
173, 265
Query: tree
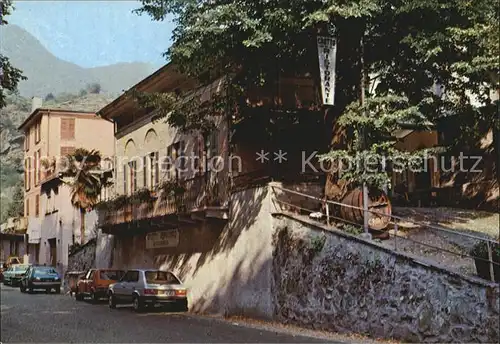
16, 206
82, 175
49, 97
385, 44
9, 75
94, 88
82, 93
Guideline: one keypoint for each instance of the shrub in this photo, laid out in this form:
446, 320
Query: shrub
94, 88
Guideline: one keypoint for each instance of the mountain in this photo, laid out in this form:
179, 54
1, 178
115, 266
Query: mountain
48, 74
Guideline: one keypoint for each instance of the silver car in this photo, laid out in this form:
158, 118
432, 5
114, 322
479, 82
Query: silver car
148, 288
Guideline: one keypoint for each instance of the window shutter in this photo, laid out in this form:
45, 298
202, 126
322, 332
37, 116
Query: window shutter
125, 182
37, 205
26, 186
67, 128
27, 207
134, 171
67, 151
29, 172
157, 169
168, 165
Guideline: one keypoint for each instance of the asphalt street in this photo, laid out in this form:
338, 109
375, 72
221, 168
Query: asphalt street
58, 318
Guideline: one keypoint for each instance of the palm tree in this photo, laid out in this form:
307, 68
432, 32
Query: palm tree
83, 175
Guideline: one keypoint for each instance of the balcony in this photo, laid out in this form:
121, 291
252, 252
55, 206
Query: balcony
197, 195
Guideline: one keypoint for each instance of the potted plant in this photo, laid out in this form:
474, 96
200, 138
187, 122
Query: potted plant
481, 260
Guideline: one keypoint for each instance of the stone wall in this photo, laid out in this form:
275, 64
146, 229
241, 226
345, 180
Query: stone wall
82, 259
330, 280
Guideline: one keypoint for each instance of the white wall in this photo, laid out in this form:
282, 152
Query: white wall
232, 272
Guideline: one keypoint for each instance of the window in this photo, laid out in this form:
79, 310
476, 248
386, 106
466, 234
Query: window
90, 274
48, 205
38, 131
27, 207
37, 205
175, 160
131, 276
111, 275
211, 147
67, 151
67, 128
133, 176
145, 171
154, 170
161, 277
27, 139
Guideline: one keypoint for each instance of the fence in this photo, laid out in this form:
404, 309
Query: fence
488, 259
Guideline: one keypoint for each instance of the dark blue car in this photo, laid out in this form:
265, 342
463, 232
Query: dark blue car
41, 277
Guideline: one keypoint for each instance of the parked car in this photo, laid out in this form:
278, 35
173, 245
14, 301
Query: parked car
12, 276
3, 267
148, 288
95, 283
41, 277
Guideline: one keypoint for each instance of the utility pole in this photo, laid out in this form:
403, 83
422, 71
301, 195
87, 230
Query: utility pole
363, 135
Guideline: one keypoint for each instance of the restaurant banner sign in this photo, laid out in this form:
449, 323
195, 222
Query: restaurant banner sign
162, 239
327, 54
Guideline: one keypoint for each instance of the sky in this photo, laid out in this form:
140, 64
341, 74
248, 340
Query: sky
95, 32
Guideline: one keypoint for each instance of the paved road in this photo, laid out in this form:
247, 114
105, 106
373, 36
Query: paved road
55, 318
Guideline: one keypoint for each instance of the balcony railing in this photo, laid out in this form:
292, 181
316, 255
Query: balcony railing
199, 193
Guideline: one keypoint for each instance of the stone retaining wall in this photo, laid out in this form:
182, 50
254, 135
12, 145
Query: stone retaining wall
81, 260
332, 281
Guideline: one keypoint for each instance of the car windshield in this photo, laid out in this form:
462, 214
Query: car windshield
18, 268
45, 270
161, 277
112, 275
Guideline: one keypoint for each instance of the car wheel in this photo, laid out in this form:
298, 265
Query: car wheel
22, 289
137, 304
94, 297
111, 301
78, 296
58, 290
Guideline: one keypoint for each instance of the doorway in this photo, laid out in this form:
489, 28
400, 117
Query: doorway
53, 252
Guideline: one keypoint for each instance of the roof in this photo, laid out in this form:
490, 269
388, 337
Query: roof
106, 111
38, 112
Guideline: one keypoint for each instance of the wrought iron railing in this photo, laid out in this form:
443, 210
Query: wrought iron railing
486, 259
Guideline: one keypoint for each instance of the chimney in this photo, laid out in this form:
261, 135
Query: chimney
36, 103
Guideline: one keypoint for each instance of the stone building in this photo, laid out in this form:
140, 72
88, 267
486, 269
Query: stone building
198, 204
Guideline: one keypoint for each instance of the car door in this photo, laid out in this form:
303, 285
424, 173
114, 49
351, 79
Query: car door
26, 277
131, 285
81, 283
89, 280
119, 287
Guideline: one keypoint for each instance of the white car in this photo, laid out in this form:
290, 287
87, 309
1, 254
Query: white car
148, 288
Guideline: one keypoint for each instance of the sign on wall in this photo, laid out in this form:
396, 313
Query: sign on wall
161, 239
327, 54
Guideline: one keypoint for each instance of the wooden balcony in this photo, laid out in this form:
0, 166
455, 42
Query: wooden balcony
200, 195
